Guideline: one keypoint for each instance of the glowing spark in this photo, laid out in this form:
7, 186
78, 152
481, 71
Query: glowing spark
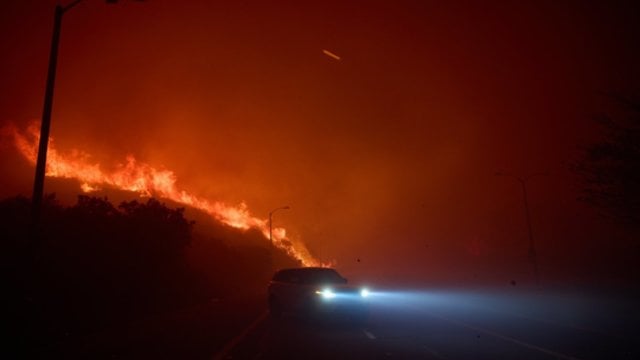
147, 181
330, 54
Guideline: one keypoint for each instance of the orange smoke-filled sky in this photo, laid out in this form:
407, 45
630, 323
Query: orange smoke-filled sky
386, 155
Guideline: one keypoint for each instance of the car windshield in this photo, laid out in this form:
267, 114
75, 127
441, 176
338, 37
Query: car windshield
310, 276
322, 276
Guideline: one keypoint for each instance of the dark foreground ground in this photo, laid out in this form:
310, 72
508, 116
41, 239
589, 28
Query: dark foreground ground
195, 332
458, 325
402, 325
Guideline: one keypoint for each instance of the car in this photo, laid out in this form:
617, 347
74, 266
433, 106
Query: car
316, 291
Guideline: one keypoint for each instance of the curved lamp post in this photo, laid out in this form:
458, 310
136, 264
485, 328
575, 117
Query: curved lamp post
45, 125
271, 221
533, 257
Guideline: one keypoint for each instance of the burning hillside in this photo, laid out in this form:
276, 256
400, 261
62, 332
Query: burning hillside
147, 180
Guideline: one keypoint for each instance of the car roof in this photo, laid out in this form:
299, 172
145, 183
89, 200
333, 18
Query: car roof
306, 274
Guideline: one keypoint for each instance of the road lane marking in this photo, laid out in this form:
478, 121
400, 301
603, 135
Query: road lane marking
369, 334
504, 337
432, 352
222, 354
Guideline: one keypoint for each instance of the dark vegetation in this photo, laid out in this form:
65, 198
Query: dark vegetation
609, 173
610, 168
93, 265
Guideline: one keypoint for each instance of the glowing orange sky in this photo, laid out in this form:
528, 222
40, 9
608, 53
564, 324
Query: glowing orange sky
387, 155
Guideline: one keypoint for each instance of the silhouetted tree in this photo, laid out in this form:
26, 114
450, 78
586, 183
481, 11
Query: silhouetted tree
610, 168
163, 231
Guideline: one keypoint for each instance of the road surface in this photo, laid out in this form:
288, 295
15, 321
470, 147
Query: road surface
402, 325
452, 325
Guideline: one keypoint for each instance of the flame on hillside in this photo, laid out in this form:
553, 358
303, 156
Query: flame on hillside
147, 180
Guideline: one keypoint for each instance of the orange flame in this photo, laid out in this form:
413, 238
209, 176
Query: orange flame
146, 180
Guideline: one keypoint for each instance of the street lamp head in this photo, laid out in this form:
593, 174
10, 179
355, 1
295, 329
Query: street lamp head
279, 208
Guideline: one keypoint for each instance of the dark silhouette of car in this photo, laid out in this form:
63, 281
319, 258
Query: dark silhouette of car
315, 291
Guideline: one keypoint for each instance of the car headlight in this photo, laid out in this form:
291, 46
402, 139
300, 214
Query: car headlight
364, 292
326, 293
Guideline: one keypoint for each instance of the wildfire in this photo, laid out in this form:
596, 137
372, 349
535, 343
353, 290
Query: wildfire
147, 180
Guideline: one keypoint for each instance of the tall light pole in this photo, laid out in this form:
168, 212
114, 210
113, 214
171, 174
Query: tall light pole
45, 125
273, 248
533, 257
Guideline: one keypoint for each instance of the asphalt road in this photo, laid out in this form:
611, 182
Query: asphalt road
194, 332
453, 325
402, 324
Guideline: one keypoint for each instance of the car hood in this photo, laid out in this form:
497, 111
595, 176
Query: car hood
342, 288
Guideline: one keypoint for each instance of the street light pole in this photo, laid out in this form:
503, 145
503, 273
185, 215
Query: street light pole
271, 221
273, 247
532, 254
45, 124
